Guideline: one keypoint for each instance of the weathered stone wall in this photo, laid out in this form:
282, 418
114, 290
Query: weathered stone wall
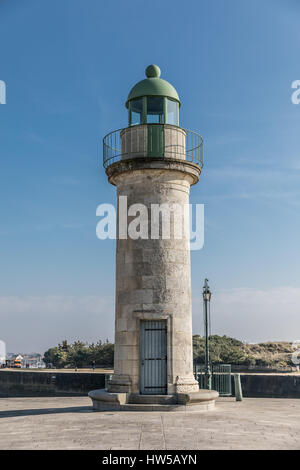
26, 383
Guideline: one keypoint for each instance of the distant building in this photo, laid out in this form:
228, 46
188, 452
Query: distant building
28, 360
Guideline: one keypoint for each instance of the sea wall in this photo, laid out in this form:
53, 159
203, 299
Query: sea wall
25, 383
270, 385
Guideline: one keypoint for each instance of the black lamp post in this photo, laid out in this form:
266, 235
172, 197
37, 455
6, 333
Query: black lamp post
206, 300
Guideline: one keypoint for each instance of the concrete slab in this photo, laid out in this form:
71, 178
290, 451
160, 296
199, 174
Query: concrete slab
70, 423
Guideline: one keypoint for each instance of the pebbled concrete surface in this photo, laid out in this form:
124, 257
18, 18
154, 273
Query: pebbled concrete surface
70, 423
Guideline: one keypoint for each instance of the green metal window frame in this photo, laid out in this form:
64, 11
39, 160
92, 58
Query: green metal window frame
166, 111
144, 111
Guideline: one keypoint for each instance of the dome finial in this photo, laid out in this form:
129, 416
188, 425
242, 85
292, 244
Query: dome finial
153, 85
152, 71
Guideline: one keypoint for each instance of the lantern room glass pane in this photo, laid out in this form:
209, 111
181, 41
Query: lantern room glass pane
155, 109
136, 110
172, 112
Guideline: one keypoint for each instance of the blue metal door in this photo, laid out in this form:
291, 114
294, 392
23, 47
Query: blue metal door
153, 357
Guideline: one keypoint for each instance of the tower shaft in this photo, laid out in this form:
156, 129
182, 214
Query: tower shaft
153, 275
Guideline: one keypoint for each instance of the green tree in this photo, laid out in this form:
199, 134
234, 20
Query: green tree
56, 356
80, 354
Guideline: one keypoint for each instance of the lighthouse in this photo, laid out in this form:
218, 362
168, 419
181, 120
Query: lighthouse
153, 163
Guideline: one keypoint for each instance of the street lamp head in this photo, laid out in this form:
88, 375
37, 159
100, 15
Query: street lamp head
206, 291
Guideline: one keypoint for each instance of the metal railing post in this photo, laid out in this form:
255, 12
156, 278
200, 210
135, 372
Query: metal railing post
238, 387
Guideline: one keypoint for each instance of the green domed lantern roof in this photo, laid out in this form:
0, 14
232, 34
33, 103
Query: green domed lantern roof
153, 85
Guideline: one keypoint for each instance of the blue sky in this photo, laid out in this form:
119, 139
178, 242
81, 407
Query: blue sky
68, 66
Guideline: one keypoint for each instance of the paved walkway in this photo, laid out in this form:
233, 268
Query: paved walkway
70, 423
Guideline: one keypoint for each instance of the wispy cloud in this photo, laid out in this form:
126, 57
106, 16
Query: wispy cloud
33, 137
254, 314
228, 139
281, 185
38, 322
68, 181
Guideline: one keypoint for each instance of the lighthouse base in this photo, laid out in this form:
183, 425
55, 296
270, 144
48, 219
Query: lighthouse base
202, 400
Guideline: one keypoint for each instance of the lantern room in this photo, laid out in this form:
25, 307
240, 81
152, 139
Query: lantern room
153, 101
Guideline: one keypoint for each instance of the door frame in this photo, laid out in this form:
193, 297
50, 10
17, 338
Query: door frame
165, 360
155, 316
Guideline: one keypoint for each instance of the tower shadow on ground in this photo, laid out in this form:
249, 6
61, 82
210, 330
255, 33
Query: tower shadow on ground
45, 411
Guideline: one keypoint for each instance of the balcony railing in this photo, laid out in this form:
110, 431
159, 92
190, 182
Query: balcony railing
152, 141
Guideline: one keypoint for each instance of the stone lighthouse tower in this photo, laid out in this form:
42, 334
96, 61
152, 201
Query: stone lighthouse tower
153, 163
